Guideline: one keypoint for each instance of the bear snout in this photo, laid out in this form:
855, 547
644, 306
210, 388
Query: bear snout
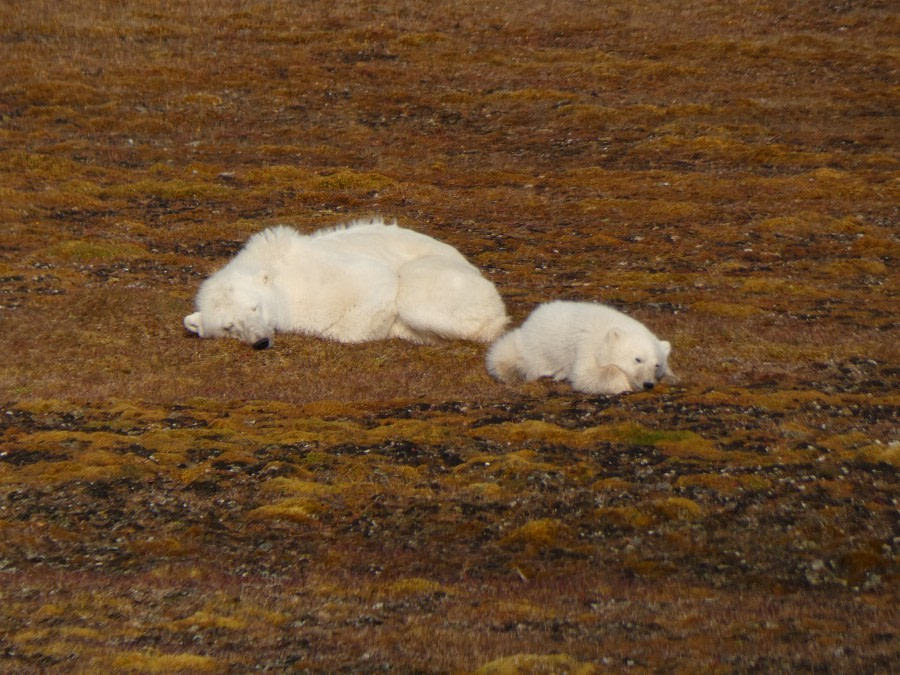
262, 343
649, 385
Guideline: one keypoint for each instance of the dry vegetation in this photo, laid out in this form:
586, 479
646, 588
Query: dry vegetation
726, 172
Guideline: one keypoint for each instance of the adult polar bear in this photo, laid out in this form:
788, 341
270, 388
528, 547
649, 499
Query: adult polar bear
366, 280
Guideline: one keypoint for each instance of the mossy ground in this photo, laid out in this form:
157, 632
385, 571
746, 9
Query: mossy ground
725, 172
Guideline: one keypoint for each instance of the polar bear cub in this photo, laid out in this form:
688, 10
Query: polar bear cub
367, 280
597, 349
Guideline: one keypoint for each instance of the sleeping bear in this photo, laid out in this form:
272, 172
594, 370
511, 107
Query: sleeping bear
596, 348
366, 280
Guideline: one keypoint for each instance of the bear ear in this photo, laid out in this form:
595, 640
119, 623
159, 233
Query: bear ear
667, 375
671, 377
614, 335
192, 323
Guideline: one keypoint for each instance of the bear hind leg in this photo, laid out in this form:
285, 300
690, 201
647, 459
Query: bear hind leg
445, 299
504, 359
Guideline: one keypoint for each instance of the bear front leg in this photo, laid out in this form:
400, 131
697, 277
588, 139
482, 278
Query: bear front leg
600, 380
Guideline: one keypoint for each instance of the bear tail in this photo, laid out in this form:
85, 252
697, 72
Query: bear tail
503, 358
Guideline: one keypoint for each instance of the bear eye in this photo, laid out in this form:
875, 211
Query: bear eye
638, 359
229, 328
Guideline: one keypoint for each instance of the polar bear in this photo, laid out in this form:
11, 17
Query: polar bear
366, 280
597, 349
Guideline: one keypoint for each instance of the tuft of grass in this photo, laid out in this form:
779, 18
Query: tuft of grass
886, 452
297, 488
154, 662
347, 179
413, 587
81, 251
729, 310
628, 517
677, 508
537, 664
296, 509
540, 535
170, 190
637, 435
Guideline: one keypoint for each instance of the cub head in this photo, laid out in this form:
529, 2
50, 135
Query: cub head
234, 307
643, 358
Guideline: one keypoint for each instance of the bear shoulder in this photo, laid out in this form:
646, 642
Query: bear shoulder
276, 237
375, 223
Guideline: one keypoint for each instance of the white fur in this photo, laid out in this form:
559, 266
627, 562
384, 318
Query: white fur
363, 281
597, 349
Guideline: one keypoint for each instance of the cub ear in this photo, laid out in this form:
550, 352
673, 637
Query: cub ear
666, 348
192, 323
668, 375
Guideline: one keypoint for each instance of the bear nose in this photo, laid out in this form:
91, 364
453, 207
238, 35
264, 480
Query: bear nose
648, 385
262, 343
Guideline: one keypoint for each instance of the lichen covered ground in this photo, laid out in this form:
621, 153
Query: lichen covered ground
725, 172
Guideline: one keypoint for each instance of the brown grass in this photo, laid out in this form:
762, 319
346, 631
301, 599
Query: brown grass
725, 172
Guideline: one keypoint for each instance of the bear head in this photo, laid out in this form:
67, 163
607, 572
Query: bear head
643, 358
234, 305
